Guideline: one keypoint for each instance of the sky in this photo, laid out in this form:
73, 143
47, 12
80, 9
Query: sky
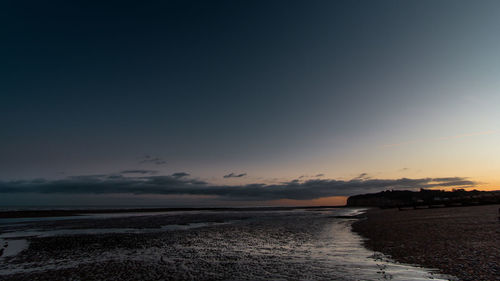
191, 103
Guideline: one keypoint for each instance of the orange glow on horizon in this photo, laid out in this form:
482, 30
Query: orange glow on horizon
324, 201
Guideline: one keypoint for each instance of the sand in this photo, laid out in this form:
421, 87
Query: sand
273, 245
461, 241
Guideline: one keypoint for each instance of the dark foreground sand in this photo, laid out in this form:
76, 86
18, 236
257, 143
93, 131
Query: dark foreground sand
461, 241
270, 245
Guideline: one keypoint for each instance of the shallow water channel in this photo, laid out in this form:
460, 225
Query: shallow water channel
306, 244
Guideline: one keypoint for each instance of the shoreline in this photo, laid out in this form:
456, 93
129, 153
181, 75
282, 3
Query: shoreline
462, 241
77, 212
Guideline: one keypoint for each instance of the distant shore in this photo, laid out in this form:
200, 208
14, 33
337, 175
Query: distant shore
460, 241
75, 212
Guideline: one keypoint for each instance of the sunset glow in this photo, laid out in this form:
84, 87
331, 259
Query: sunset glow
211, 96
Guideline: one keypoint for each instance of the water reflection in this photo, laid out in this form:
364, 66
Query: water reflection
317, 243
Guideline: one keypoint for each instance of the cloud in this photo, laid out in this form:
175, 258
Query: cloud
148, 159
362, 176
142, 172
179, 175
310, 176
176, 184
233, 175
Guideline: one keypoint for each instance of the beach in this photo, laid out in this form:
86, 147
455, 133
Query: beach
287, 244
461, 241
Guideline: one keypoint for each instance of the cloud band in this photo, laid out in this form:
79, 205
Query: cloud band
173, 184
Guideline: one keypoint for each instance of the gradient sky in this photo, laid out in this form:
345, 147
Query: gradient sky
270, 91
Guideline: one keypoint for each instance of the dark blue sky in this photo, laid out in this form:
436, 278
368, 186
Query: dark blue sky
273, 89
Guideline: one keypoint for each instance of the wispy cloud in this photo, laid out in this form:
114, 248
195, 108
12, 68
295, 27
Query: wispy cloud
233, 175
142, 172
180, 175
441, 138
176, 184
311, 176
362, 176
148, 159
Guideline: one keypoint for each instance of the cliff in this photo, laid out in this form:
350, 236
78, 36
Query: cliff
425, 197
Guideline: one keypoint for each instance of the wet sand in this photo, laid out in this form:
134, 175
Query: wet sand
461, 241
273, 245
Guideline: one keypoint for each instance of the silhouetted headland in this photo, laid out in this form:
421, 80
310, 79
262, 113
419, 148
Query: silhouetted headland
426, 198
